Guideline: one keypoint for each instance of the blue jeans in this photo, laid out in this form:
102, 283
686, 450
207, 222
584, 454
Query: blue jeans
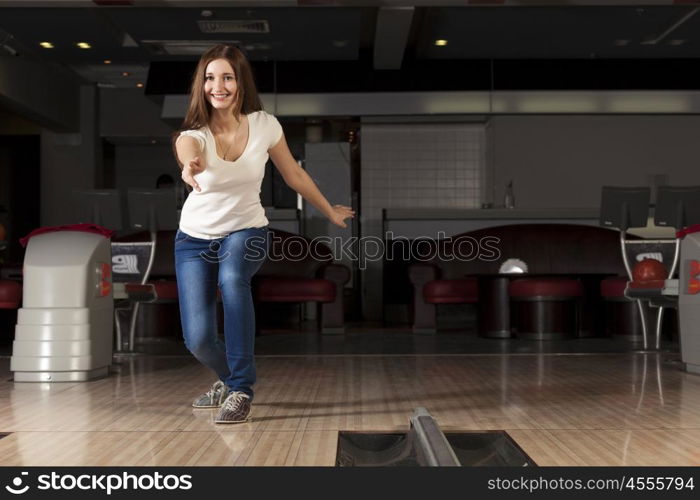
227, 264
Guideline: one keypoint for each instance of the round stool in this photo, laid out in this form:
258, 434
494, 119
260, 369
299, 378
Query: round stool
545, 308
621, 314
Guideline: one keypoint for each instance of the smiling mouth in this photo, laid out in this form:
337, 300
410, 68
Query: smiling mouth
220, 97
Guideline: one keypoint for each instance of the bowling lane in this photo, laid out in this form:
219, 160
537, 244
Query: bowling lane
601, 409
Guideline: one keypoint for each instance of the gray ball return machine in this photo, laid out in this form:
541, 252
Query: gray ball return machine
64, 328
689, 299
679, 207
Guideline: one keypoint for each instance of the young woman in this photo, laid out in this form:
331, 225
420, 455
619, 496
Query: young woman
223, 238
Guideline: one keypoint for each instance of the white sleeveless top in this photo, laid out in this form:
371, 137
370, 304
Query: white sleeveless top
229, 199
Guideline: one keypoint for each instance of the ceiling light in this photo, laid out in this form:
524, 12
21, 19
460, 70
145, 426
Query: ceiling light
47, 45
84, 45
139, 85
207, 13
125, 73
107, 61
440, 43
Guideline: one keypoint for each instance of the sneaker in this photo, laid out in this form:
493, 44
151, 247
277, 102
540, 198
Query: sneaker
236, 409
214, 398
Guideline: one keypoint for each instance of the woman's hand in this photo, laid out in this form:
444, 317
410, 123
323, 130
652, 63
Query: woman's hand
340, 213
192, 168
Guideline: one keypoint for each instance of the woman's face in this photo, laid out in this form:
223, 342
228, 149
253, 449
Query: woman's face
220, 87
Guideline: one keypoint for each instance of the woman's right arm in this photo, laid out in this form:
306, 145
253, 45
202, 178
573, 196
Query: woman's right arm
189, 154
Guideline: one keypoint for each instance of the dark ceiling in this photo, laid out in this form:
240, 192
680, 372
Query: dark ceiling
479, 38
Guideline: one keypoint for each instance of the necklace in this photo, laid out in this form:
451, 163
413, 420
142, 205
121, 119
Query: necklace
231, 143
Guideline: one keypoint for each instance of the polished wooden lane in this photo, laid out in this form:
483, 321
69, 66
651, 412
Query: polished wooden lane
602, 409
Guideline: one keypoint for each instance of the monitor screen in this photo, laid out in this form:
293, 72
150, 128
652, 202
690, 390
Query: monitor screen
98, 206
624, 207
152, 209
677, 206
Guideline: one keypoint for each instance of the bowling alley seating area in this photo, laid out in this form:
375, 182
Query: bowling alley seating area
566, 264
574, 288
310, 277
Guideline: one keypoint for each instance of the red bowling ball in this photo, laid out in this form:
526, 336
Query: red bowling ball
649, 270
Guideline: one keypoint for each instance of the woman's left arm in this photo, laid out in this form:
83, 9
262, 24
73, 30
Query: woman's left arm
296, 178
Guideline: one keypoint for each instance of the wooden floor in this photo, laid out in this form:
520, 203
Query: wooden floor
602, 409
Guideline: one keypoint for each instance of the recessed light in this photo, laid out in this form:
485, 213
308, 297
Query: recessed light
139, 85
107, 61
47, 45
83, 45
125, 73
440, 43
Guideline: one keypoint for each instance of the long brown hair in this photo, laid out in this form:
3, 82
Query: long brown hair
247, 99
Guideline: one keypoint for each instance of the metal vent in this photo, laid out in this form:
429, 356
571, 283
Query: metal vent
183, 47
234, 26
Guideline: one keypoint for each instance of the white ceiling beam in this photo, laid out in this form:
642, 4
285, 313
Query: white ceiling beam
473, 102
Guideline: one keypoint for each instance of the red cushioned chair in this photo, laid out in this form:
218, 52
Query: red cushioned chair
312, 277
450, 291
545, 308
430, 290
